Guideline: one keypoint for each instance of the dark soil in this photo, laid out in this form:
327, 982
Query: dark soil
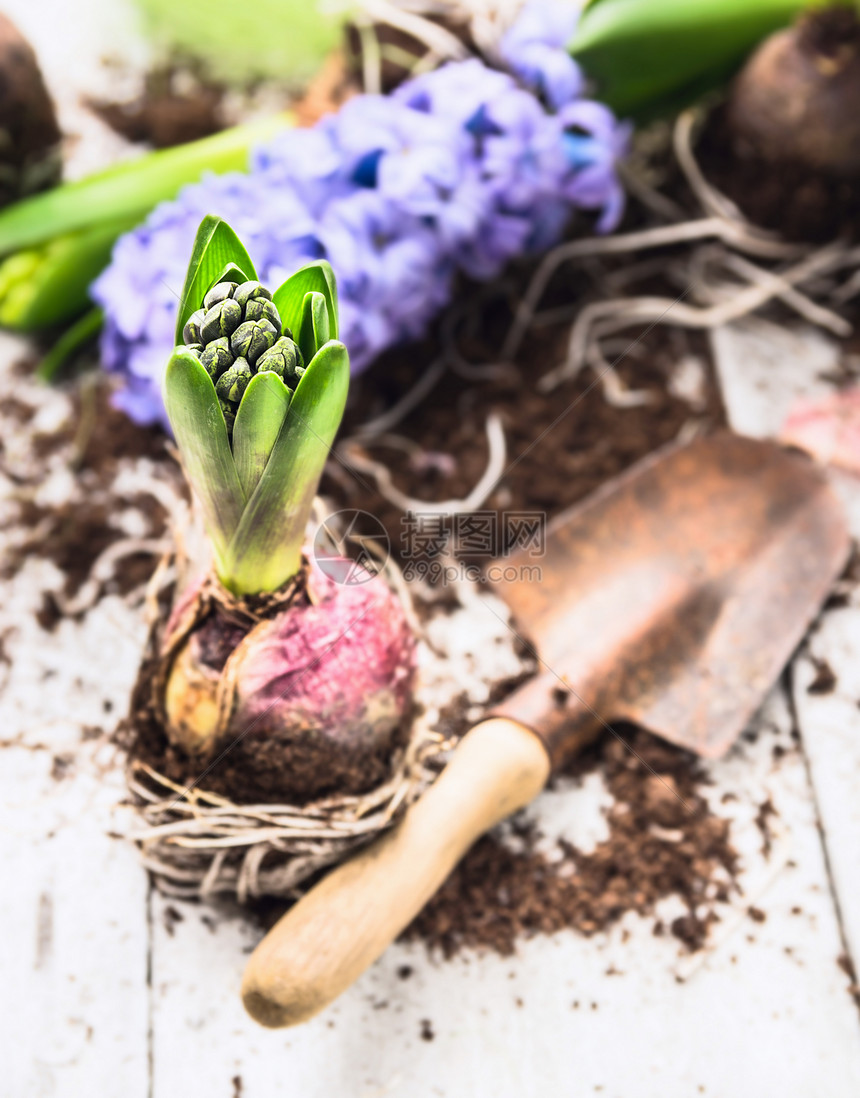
163, 116
663, 841
825, 680
74, 534
560, 446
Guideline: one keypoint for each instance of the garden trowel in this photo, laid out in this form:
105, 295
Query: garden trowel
672, 598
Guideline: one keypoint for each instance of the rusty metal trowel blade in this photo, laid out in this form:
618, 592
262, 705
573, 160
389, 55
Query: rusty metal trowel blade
674, 596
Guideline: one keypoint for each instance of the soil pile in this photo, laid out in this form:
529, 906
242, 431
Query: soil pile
663, 840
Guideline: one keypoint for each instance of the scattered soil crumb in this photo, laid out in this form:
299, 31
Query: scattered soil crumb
756, 914
170, 917
692, 930
427, 1033
765, 811
404, 972
497, 894
61, 765
237, 1086
825, 680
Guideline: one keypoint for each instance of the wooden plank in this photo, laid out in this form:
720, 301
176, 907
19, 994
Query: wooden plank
764, 368
763, 371
73, 907
768, 1011
75, 1013
830, 725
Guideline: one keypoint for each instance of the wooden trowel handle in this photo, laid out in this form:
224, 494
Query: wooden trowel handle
342, 925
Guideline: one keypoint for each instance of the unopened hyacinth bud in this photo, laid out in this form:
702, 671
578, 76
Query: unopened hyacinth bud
284, 359
221, 320
250, 291
233, 382
229, 415
261, 308
191, 332
253, 338
219, 292
217, 357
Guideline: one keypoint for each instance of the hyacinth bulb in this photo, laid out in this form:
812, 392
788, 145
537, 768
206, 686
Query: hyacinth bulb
322, 690
796, 98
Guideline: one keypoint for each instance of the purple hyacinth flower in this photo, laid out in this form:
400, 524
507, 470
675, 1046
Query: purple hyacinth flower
456, 91
392, 271
460, 169
594, 141
535, 48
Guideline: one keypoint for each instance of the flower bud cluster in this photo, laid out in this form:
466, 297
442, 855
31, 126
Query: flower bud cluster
238, 333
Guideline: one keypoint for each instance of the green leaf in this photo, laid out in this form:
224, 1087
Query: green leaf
129, 190
289, 297
201, 434
216, 247
642, 53
230, 273
266, 550
313, 330
258, 423
50, 285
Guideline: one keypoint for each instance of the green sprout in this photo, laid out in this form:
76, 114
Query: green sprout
255, 391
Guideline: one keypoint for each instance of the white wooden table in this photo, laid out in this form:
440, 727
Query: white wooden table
105, 993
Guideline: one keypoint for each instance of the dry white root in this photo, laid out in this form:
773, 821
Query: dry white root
717, 281
352, 453
200, 844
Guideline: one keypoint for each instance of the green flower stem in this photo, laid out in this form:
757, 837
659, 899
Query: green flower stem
129, 190
49, 284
